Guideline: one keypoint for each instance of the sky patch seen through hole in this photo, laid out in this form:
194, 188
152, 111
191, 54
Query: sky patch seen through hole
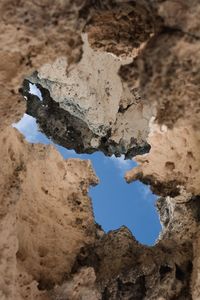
115, 202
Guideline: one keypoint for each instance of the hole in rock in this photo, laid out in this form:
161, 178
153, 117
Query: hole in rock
115, 202
164, 270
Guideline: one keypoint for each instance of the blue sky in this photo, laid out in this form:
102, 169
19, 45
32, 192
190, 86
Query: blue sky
115, 202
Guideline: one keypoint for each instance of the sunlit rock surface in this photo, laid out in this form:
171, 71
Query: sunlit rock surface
32, 33
46, 215
149, 51
172, 163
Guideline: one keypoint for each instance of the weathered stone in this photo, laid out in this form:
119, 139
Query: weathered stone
126, 269
87, 108
32, 33
46, 214
120, 27
148, 55
172, 161
180, 15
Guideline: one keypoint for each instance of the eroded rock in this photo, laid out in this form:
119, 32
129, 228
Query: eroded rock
126, 269
50, 247
172, 162
46, 214
32, 33
120, 27
87, 108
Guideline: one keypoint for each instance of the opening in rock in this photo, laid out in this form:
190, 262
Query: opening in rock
115, 202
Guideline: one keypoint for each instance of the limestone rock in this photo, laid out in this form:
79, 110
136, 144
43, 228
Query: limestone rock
88, 108
46, 214
172, 162
181, 15
81, 286
140, 67
126, 269
167, 73
32, 33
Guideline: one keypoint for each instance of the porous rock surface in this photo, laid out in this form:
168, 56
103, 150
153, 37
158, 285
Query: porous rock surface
46, 214
87, 106
89, 109
173, 169
149, 51
32, 33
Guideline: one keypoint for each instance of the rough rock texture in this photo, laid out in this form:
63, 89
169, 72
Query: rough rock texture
167, 70
126, 269
180, 15
119, 27
81, 286
46, 215
168, 75
172, 163
136, 81
88, 108
32, 33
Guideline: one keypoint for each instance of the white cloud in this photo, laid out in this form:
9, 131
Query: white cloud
122, 164
146, 192
35, 91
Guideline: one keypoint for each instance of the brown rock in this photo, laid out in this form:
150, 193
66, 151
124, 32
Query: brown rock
46, 215
50, 246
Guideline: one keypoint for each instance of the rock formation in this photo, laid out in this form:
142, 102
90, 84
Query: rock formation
122, 77
46, 215
90, 106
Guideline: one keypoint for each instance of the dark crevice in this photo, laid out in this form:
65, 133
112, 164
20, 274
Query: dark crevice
45, 284
172, 30
179, 273
164, 270
123, 109
106, 294
130, 290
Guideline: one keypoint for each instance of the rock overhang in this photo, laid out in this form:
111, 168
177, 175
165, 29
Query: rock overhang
85, 106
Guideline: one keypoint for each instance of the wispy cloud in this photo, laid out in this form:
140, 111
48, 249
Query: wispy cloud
145, 191
122, 164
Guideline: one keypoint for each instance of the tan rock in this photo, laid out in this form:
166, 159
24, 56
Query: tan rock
46, 214
89, 108
81, 286
50, 247
171, 163
32, 33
